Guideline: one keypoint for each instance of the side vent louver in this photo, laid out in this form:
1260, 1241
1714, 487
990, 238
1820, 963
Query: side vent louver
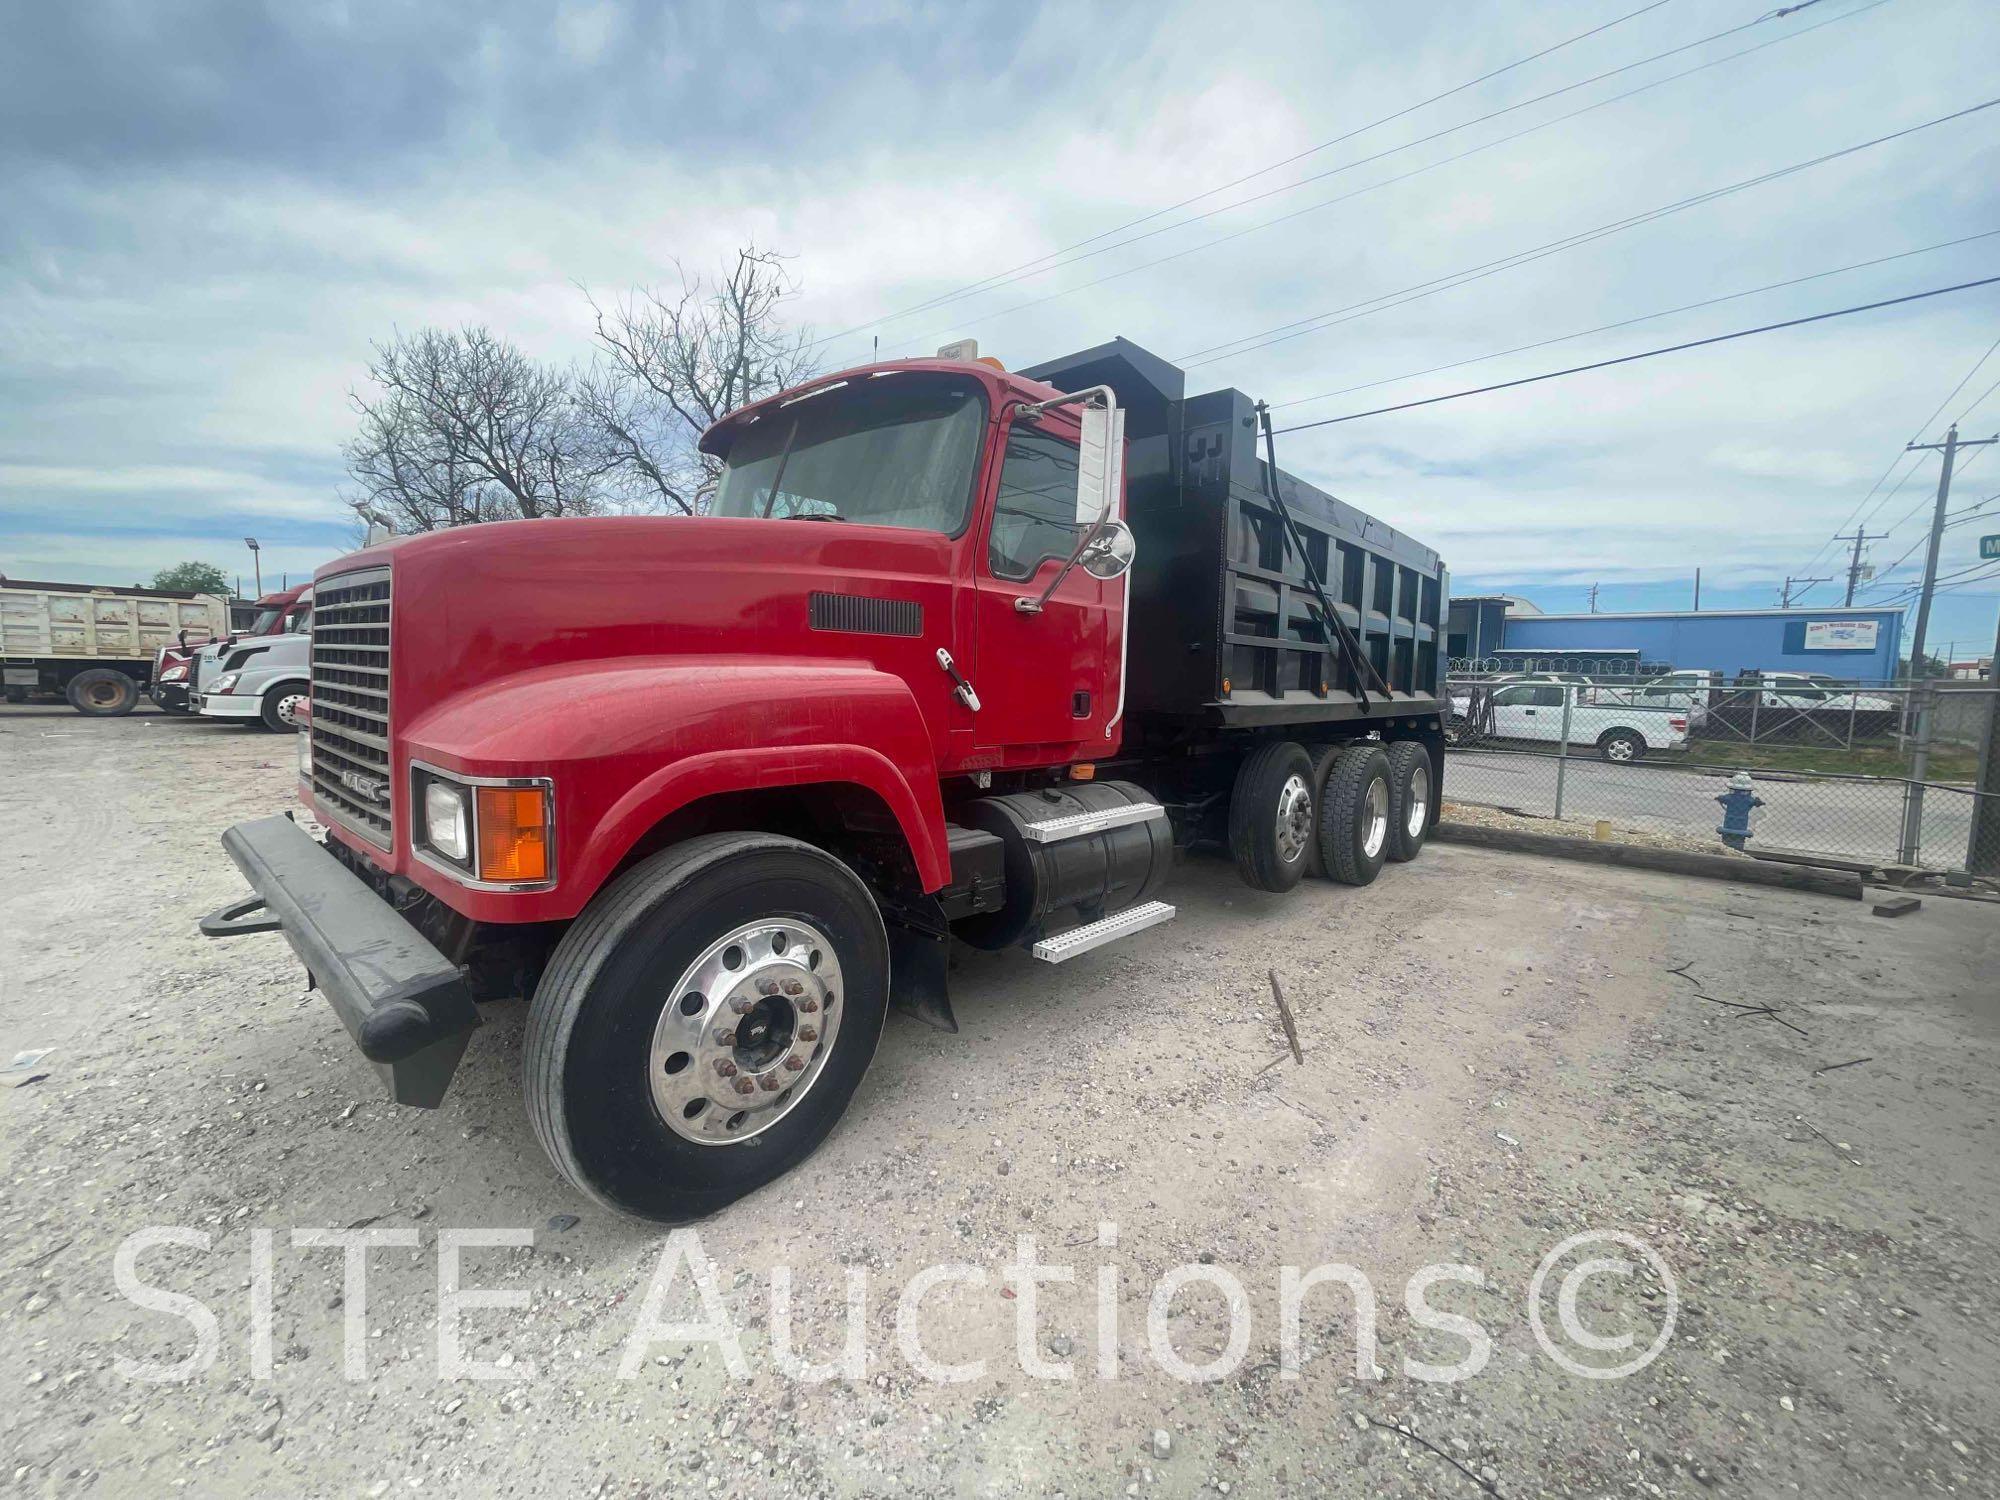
857, 614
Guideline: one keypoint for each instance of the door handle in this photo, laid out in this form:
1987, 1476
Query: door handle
961, 689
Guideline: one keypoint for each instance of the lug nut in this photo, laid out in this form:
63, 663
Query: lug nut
768, 1084
809, 1005
740, 1005
725, 1038
745, 1086
793, 987
725, 1067
767, 986
808, 1033
793, 1064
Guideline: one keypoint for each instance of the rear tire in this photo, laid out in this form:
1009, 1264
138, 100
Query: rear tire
102, 693
281, 707
1411, 799
1271, 815
1354, 820
631, 1015
1621, 746
1323, 760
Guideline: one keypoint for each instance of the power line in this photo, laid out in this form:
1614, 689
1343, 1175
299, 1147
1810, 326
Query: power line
1772, 286
1338, 198
1298, 328
1626, 359
995, 279
1916, 463
1024, 273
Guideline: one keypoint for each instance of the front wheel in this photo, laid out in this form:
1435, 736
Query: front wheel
702, 1026
1621, 746
284, 707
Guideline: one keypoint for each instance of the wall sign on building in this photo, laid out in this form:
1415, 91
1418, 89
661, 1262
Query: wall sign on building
1840, 635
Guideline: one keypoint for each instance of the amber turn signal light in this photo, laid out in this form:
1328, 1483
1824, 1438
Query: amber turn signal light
513, 833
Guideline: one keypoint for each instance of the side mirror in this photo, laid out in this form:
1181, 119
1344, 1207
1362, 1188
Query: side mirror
1108, 554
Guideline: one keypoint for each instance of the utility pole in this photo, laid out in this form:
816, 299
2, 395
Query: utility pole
1854, 567
1949, 447
1593, 598
1697, 590
1785, 595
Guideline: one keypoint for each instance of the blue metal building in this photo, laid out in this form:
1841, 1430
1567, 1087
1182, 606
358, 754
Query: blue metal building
1860, 644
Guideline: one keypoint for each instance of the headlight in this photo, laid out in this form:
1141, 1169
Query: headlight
496, 831
174, 673
305, 740
448, 821
226, 683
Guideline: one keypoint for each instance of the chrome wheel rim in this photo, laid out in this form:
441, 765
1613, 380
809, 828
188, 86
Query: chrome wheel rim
746, 1031
288, 709
1420, 801
1619, 750
1295, 819
1375, 817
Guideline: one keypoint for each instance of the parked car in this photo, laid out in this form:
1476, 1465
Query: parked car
1811, 692
1686, 692
1534, 711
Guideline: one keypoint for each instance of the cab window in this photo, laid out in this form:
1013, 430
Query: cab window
1034, 516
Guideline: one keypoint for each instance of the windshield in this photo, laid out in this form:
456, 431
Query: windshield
888, 452
266, 618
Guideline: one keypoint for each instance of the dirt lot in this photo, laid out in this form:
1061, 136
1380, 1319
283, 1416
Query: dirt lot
1497, 1056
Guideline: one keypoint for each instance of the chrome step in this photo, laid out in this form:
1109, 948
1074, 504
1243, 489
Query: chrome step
1076, 825
1066, 945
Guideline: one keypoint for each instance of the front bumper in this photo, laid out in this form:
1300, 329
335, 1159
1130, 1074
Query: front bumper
171, 696
406, 1005
226, 706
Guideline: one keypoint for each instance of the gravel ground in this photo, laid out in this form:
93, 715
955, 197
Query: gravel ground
1498, 1055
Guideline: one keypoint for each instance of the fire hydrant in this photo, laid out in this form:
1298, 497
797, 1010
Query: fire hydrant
1736, 805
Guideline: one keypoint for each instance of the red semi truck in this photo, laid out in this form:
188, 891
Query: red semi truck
960, 654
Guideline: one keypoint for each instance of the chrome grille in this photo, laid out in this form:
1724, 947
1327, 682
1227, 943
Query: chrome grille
351, 775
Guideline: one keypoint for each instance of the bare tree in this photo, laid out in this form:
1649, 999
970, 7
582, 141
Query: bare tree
670, 364
462, 426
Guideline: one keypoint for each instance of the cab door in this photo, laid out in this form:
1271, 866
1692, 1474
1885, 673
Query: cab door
1047, 681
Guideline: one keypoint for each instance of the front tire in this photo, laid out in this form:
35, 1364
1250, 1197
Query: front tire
1354, 820
282, 707
1621, 747
730, 959
1411, 799
1271, 815
102, 693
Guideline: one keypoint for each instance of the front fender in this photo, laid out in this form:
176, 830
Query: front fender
632, 740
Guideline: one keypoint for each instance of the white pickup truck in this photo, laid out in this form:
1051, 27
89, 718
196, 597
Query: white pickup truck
1620, 732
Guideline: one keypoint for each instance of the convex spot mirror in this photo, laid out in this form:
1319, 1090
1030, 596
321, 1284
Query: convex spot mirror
1110, 552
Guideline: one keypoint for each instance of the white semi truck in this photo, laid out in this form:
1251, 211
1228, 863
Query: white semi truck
95, 646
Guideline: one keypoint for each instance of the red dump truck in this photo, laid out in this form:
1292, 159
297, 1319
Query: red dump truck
959, 654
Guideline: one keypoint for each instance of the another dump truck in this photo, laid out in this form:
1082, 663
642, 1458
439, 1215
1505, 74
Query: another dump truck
95, 646
960, 655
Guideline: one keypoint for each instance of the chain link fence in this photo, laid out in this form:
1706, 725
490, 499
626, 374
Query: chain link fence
1890, 775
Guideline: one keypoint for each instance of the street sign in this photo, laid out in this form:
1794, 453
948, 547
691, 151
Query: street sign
1989, 546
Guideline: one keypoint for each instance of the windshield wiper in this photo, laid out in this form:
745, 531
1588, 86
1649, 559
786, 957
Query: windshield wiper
815, 515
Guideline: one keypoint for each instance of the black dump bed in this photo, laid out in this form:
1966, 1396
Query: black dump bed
1224, 627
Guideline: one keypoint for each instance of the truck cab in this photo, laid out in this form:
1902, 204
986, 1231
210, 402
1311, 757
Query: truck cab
958, 654
178, 667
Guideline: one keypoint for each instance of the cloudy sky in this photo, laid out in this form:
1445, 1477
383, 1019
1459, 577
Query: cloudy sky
211, 209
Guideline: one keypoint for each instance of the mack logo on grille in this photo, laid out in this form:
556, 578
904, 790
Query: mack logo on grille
374, 788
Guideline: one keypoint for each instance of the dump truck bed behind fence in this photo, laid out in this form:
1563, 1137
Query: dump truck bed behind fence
1223, 627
